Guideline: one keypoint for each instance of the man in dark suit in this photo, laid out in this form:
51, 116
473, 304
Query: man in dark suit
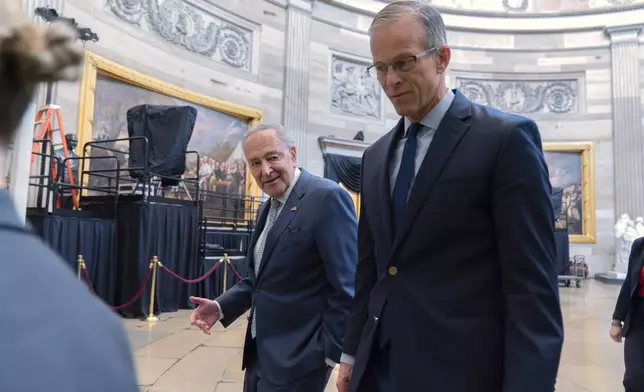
54, 334
456, 287
303, 256
628, 319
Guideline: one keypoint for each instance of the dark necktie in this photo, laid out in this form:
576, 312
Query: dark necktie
405, 174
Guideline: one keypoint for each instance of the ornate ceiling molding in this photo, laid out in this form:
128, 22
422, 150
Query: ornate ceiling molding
529, 97
195, 25
519, 12
494, 22
624, 34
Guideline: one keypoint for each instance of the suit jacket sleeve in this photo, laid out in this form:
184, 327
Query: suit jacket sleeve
236, 301
524, 224
336, 232
365, 279
624, 297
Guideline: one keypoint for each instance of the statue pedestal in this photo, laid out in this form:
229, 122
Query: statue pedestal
611, 277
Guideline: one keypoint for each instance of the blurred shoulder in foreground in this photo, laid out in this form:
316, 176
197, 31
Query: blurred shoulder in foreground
54, 334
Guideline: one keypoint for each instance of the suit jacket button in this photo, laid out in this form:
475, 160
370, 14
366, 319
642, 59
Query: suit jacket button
393, 271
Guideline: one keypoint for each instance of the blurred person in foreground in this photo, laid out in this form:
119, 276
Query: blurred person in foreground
303, 259
54, 334
456, 286
628, 319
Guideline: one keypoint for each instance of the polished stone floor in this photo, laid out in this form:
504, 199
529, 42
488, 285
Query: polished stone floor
171, 356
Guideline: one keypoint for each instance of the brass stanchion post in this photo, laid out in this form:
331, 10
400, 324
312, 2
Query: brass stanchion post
79, 265
151, 317
225, 261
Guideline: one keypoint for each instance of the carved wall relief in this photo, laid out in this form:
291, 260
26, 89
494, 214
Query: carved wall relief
526, 97
183, 23
353, 91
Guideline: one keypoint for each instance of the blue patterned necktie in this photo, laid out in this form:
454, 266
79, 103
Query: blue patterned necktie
270, 221
406, 174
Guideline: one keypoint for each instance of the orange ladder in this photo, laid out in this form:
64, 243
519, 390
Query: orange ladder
44, 129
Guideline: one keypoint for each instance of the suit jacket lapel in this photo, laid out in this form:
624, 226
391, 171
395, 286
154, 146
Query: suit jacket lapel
288, 212
447, 136
384, 181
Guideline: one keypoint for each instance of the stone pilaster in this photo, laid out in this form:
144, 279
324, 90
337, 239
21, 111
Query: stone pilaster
628, 137
296, 85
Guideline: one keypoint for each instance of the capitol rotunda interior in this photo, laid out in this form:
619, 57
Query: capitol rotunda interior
576, 67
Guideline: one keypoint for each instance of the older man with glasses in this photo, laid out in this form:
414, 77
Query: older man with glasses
456, 286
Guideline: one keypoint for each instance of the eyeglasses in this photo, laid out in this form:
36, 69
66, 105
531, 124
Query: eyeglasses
404, 64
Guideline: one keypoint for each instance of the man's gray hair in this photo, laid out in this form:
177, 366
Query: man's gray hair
432, 19
281, 132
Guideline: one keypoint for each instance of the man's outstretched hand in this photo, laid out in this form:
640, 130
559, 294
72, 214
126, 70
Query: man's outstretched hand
205, 315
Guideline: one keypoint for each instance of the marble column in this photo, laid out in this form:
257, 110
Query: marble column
296, 85
628, 137
22, 143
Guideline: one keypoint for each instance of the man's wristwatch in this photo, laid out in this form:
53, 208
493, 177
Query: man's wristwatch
616, 323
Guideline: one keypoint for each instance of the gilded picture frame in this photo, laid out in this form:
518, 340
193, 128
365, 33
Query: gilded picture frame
571, 167
97, 65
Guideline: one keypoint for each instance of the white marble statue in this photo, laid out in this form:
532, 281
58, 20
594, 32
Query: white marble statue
639, 226
626, 233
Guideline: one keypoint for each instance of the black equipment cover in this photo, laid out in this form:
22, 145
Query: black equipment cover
168, 130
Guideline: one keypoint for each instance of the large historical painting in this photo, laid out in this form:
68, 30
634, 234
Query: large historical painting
216, 136
108, 90
571, 177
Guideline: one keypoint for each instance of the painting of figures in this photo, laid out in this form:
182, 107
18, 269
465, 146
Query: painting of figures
565, 177
571, 168
216, 136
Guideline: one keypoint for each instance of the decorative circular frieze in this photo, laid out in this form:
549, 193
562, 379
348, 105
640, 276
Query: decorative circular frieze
559, 98
475, 92
233, 46
130, 11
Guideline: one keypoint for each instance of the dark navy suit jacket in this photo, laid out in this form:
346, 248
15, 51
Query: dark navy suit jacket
624, 307
305, 286
474, 293
54, 334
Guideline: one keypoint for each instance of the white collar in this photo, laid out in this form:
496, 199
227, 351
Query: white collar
296, 175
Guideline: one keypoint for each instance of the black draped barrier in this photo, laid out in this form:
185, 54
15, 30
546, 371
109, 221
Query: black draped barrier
166, 228
94, 239
214, 285
343, 169
232, 242
563, 250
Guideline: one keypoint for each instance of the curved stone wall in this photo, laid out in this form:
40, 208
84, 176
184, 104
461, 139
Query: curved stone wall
302, 62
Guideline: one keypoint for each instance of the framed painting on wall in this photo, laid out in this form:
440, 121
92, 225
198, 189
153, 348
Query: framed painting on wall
572, 173
109, 90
